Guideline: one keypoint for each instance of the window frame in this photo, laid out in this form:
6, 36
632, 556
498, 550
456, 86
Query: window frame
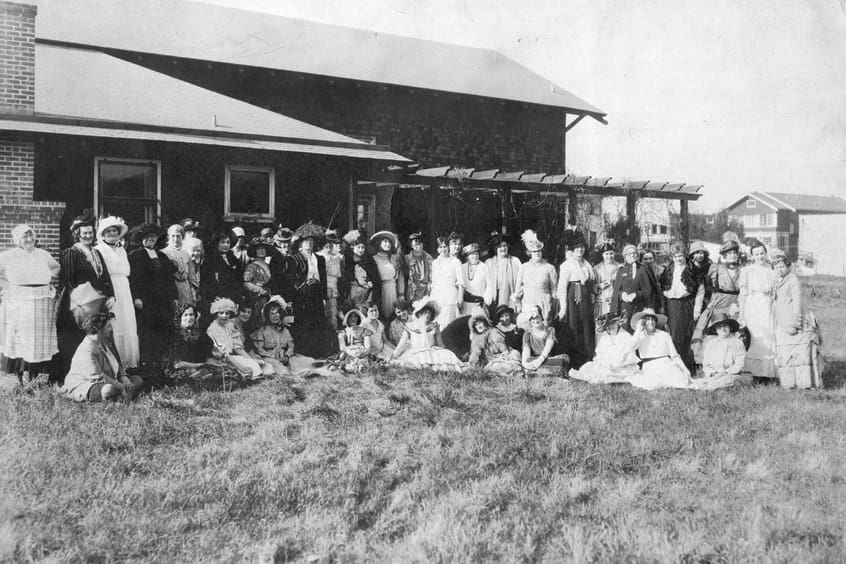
751, 203
118, 160
227, 192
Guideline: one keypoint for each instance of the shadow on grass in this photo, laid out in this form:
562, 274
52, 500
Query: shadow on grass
834, 375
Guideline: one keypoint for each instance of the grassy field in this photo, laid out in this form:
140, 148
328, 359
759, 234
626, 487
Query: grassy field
413, 466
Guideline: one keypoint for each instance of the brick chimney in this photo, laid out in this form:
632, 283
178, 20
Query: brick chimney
17, 57
18, 203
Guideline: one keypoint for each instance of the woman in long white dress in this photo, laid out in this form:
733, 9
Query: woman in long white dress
757, 283
109, 233
447, 284
614, 361
661, 365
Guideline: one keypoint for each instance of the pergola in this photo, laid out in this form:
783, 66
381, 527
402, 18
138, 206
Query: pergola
554, 185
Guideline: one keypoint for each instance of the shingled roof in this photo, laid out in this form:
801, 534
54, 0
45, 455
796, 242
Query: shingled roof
201, 31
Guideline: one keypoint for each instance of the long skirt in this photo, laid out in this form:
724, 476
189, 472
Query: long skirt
558, 365
759, 317
434, 358
799, 360
660, 373
680, 322
581, 321
388, 298
125, 326
27, 324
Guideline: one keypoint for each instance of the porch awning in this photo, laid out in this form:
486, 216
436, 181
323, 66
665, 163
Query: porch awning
363, 151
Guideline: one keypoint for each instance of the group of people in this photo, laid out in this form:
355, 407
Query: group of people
186, 304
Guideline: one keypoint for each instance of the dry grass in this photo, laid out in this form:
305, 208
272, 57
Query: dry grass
414, 466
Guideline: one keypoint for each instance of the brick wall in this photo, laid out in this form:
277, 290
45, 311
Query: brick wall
17, 159
17, 57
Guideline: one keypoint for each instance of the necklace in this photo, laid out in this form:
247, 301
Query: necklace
471, 271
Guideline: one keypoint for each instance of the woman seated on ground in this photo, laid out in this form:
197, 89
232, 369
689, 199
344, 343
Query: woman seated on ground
489, 350
354, 342
661, 365
397, 326
273, 343
723, 356
538, 344
96, 373
506, 324
421, 345
380, 346
614, 361
229, 342
190, 354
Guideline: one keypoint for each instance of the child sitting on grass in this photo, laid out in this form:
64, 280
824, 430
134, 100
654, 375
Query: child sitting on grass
354, 342
421, 345
96, 373
228, 340
380, 347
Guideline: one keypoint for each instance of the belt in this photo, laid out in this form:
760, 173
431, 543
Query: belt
472, 298
645, 360
734, 293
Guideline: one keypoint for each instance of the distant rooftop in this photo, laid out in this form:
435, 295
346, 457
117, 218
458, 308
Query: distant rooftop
201, 31
807, 203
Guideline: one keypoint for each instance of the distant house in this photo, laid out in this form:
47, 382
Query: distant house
808, 228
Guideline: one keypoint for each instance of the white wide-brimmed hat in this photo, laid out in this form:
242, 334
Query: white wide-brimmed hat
111, 221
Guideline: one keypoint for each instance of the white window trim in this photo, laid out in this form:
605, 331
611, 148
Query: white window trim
227, 192
100, 160
751, 203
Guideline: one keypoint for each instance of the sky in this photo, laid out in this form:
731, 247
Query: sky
736, 95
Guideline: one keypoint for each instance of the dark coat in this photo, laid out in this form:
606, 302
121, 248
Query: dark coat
221, 280
151, 281
348, 278
643, 284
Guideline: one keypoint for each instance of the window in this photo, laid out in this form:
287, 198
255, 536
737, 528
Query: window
767, 241
709, 220
249, 192
366, 213
128, 188
750, 203
766, 219
783, 241
663, 229
792, 228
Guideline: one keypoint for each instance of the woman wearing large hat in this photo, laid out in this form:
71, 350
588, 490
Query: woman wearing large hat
80, 263
311, 331
110, 233
661, 365
389, 267
724, 356
537, 279
576, 283
153, 293
635, 287
606, 274
257, 277
475, 280
419, 266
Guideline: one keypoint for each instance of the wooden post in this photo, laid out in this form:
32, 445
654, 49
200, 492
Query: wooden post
572, 207
351, 211
632, 229
564, 147
505, 209
685, 223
